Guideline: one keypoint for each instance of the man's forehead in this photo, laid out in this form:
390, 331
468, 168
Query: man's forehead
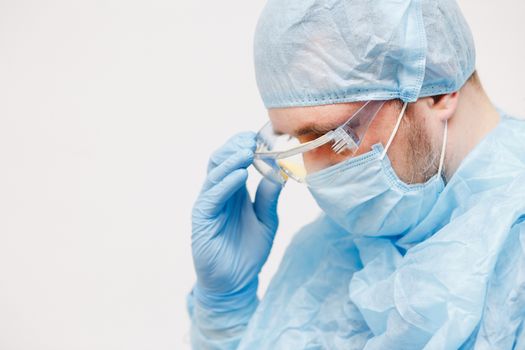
302, 120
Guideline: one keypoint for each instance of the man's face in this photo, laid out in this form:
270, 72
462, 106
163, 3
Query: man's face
414, 153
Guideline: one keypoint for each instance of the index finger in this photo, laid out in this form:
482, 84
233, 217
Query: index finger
244, 140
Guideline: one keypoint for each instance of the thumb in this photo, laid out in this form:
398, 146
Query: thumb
265, 205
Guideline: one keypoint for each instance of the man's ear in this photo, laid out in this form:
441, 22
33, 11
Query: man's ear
444, 106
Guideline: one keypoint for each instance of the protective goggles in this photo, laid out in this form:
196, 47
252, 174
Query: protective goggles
282, 156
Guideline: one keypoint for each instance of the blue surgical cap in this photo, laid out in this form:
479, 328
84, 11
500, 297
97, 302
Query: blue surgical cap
315, 52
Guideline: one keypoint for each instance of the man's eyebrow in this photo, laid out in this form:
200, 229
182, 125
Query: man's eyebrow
312, 128
315, 128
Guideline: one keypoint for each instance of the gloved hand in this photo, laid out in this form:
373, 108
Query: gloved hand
231, 235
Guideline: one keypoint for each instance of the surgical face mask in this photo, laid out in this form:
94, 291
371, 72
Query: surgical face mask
365, 196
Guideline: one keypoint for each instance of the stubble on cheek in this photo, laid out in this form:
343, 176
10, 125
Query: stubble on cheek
422, 155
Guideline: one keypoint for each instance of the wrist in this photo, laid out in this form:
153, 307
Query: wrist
226, 301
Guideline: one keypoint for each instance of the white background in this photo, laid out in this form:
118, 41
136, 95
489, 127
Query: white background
108, 112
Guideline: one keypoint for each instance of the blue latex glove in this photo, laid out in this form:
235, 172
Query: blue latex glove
232, 236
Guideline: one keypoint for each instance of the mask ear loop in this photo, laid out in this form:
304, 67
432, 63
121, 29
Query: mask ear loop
401, 115
394, 132
443, 149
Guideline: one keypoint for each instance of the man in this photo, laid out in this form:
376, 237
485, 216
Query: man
421, 179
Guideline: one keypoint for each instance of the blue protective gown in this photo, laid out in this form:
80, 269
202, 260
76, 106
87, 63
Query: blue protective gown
456, 281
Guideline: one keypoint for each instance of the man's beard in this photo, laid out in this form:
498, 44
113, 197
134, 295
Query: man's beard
422, 155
